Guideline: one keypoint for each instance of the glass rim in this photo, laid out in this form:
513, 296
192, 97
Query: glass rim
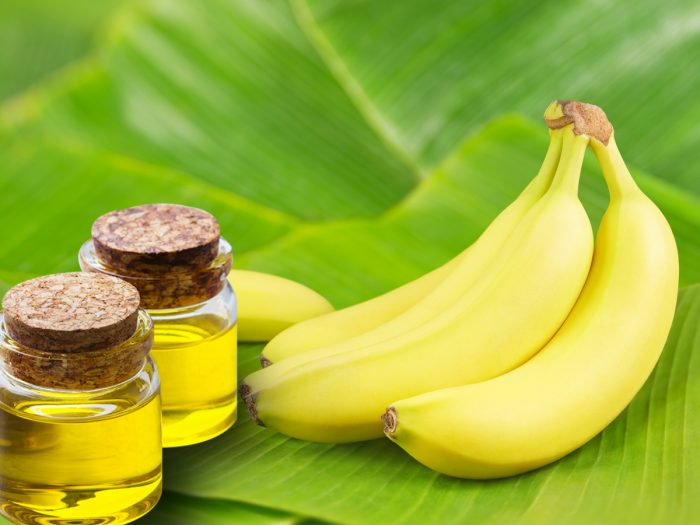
88, 258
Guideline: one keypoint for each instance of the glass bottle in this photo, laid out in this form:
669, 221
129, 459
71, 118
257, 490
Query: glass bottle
177, 259
80, 435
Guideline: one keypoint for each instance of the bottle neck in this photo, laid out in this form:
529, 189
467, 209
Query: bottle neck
177, 288
77, 370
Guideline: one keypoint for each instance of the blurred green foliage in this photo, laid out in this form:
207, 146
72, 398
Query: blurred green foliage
37, 37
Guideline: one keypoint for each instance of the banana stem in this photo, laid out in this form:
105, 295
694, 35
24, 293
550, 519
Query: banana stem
615, 172
569, 170
543, 180
587, 120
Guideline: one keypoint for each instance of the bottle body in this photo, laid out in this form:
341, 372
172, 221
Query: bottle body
79, 456
194, 347
195, 351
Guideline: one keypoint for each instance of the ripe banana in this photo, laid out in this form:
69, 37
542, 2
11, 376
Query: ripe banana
267, 304
365, 324
586, 375
346, 323
505, 317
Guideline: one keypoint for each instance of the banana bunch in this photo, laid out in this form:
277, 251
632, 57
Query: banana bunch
584, 377
511, 355
261, 315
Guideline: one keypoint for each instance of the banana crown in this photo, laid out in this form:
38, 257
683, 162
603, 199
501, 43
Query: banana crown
587, 119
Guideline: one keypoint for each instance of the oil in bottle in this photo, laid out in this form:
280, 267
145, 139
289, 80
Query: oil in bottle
80, 434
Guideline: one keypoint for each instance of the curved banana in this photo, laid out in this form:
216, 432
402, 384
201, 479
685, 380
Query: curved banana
508, 315
349, 322
417, 302
584, 377
267, 304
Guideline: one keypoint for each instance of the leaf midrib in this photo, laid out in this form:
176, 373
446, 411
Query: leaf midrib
383, 128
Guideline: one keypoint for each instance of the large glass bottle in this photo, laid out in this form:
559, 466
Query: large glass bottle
177, 259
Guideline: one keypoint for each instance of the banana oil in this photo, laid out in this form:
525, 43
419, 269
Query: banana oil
198, 356
80, 439
69, 457
177, 259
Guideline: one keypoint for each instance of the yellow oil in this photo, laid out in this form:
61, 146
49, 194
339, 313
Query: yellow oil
196, 360
68, 460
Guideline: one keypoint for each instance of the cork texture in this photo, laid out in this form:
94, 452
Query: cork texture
156, 238
71, 312
181, 289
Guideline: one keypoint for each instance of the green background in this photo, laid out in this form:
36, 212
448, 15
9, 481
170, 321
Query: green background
353, 145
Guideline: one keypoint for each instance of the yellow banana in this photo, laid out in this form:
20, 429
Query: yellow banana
589, 371
414, 303
346, 323
267, 304
509, 314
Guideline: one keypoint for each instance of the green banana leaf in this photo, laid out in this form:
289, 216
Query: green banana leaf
78, 184
353, 146
177, 509
239, 99
432, 71
37, 37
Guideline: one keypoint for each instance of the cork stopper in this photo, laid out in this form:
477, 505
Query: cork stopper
69, 312
172, 254
156, 238
587, 119
74, 330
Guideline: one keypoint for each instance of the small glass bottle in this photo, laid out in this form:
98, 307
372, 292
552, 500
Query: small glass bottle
177, 259
80, 435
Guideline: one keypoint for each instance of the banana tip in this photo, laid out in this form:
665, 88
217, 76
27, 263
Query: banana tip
587, 119
264, 361
249, 400
391, 421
